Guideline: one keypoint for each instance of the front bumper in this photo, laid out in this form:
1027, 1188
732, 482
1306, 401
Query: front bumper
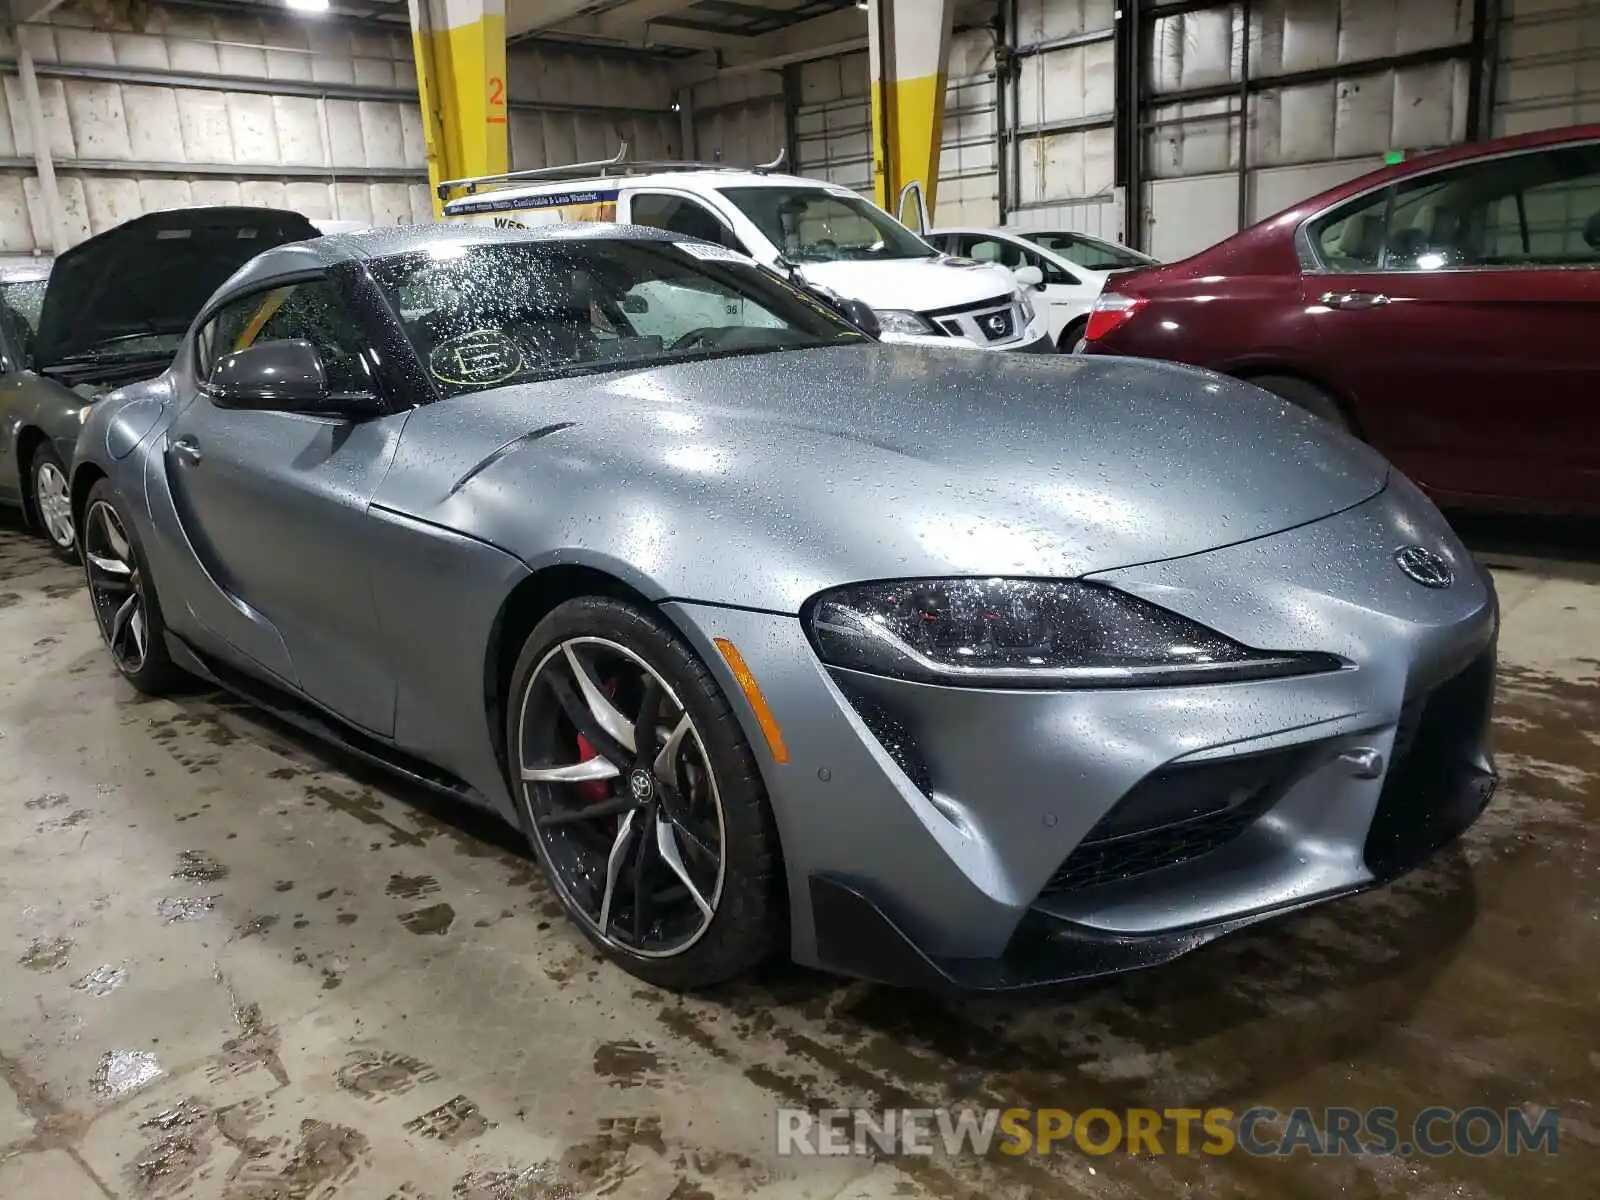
995, 839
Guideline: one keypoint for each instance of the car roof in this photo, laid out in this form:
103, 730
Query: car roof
707, 180
319, 254
1467, 151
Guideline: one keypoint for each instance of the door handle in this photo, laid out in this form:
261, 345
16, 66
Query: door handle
1354, 300
187, 450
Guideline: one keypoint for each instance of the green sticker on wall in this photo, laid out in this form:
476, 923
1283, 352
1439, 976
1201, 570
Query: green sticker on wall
1394, 156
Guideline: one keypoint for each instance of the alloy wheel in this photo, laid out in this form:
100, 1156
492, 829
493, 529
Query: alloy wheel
54, 503
622, 797
115, 587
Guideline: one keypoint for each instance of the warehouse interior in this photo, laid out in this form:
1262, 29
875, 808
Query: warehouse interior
238, 964
1053, 109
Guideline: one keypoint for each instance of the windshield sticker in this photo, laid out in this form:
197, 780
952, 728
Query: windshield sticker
479, 358
710, 252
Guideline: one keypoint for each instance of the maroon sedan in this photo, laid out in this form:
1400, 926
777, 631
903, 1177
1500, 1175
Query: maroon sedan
1446, 309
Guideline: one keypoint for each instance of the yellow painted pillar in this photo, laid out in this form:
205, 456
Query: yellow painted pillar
909, 51
460, 49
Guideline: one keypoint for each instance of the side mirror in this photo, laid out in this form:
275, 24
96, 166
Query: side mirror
1028, 276
862, 317
286, 376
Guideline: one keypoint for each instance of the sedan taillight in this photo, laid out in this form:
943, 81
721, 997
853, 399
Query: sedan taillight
1110, 310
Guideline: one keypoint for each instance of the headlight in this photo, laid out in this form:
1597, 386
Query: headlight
1025, 303
1025, 633
83, 414
899, 320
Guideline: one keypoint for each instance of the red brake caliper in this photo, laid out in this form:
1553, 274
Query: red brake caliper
594, 789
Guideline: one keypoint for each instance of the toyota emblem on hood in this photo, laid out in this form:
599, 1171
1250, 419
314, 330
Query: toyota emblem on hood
1424, 566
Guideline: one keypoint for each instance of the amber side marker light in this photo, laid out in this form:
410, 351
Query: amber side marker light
758, 702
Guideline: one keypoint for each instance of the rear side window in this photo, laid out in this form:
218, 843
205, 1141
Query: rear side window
1535, 210
679, 214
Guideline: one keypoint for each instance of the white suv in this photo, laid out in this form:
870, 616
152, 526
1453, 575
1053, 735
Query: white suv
818, 233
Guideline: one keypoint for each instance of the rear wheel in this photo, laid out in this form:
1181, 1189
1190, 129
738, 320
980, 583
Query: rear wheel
124, 596
641, 797
52, 501
1304, 395
1071, 335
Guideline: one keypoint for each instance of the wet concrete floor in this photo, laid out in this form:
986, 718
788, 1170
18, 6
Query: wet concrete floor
230, 968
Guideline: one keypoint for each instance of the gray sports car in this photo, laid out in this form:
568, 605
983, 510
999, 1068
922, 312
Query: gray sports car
936, 668
113, 311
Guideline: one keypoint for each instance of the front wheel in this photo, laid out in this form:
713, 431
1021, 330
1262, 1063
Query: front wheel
52, 502
124, 596
641, 796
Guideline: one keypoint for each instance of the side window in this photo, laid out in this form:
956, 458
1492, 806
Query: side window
1052, 273
679, 214
1350, 239
1538, 209
993, 250
311, 311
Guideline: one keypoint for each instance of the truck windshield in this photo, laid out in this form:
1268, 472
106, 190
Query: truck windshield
489, 314
813, 224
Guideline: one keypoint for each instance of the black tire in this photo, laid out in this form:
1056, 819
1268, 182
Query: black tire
1304, 395
746, 925
48, 474
153, 672
1071, 335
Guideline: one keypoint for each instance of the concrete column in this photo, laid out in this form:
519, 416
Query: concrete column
909, 51
460, 49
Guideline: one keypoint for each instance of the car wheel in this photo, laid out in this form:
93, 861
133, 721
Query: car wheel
1304, 395
641, 796
124, 596
52, 501
1071, 335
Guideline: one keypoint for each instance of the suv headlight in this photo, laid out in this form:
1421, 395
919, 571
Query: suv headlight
1028, 633
900, 320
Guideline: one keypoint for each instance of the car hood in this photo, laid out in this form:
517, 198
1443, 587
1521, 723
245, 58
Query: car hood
761, 480
152, 275
921, 284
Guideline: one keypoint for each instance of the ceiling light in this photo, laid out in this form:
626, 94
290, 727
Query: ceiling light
310, 6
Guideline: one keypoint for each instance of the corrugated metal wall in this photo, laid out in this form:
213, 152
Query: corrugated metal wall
319, 116
739, 119
547, 127
205, 109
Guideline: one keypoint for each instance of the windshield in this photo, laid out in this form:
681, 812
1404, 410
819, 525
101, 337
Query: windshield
481, 316
1089, 252
20, 303
813, 224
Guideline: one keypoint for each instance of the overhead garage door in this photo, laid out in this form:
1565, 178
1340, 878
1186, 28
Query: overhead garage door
1063, 117
833, 128
1549, 65
833, 122
1327, 121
